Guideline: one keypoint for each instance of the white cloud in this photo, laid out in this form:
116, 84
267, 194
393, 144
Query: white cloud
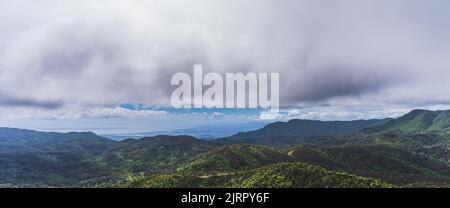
75, 112
217, 115
119, 112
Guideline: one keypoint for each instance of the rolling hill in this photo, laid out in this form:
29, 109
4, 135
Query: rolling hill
22, 140
281, 134
234, 158
301, 175
409, 151
281, 175
417, 121
46, 159
155, 154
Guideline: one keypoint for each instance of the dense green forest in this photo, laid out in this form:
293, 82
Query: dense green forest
410, 151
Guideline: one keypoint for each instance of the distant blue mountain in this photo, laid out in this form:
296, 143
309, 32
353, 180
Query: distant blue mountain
204, 132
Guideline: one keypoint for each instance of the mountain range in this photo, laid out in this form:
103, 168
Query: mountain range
289, 133
409, 151
202, 132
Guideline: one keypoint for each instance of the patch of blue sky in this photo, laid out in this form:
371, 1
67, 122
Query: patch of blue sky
225, 111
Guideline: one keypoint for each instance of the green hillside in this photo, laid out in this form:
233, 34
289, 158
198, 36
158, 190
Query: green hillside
235, 157
417, 121
410, 151
379, 161
238, 163
281, 175
390, 164
22, 140
155, 154
87, 160
313, 155
283, 134
300, 175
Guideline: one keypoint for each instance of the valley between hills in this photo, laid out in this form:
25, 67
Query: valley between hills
410, 151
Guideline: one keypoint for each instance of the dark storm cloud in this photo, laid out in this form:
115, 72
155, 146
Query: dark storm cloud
19, 102
335, 81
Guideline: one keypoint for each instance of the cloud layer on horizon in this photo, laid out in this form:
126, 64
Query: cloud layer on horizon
328, 53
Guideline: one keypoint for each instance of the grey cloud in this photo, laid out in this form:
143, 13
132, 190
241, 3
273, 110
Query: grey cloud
20, 102
364, 51
334, 81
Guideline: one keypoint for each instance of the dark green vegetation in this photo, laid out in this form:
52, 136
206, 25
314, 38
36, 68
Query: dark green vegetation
410, 151
233, 158
282, 134
279, 175
86, 160
417, 121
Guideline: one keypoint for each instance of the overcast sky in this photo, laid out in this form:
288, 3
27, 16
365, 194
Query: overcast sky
343, 60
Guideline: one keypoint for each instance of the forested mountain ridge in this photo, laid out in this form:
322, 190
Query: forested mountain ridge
417, 121
409, 151
285, 133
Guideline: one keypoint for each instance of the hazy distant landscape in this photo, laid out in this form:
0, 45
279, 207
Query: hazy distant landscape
410, 151
204, 132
